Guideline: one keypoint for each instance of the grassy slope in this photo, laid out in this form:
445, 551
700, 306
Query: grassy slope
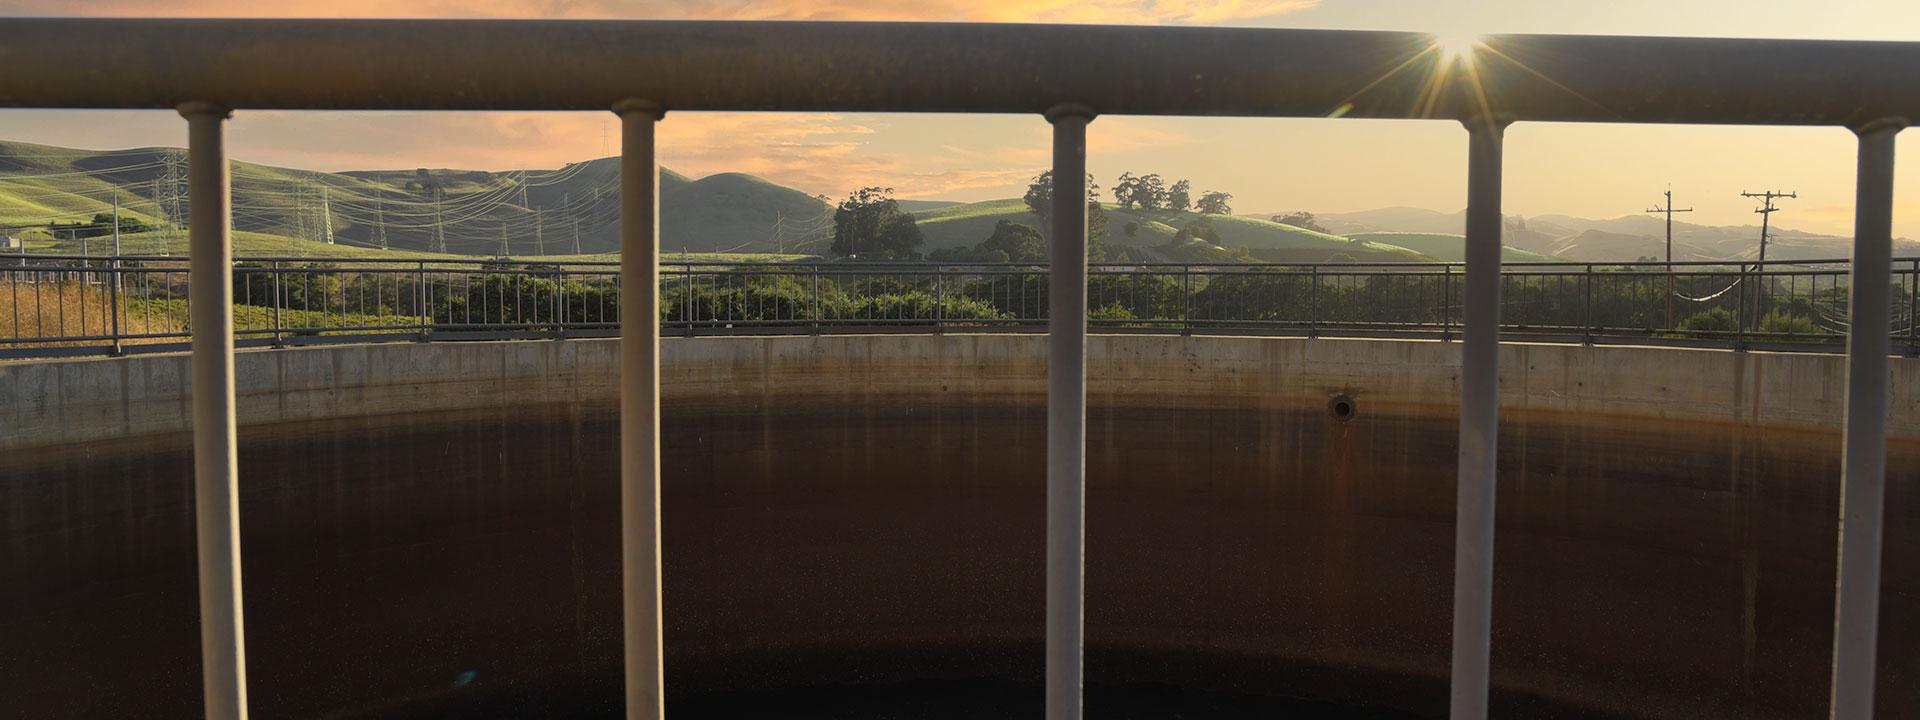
726, 212
246, 244
1444, 246
967, 225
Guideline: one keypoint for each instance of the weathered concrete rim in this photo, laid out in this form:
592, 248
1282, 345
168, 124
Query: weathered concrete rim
75, 401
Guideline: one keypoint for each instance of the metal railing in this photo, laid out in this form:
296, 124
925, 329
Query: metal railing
73, 304
1066, 75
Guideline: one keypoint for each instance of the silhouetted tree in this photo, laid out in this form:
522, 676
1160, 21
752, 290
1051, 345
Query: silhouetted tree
1200, 228
1039, 199
869, 223
1017, 241
1300, 219
1180, 198
1216, 203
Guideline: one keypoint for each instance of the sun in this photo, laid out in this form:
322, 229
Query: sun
1456, 46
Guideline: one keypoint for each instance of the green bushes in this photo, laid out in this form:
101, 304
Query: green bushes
1780, 322
1712, 323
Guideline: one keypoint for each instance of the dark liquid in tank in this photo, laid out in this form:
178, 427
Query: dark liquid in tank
860, 558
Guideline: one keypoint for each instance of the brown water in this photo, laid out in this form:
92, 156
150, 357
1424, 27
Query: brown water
852, 556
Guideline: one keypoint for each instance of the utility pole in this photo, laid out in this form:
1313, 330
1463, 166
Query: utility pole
504, 250
1766, 211
1668, 209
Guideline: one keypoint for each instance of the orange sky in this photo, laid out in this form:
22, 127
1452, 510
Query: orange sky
1269, 165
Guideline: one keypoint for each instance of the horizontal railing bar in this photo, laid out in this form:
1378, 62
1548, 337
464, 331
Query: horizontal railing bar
936, 67
543, 266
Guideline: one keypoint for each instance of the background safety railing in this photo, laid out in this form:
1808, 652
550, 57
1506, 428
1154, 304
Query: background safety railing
72, 304
1066, 75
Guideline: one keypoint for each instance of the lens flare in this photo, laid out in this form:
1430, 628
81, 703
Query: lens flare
1455, 47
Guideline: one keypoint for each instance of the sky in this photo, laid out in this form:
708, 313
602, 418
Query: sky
1270, 165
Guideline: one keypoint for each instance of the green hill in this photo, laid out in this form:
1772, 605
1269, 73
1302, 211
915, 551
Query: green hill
1147, 235
1444, 246
457, 212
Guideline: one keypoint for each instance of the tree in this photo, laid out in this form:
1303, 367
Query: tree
1123, 190
1151, 194
1180, 198
1039, 199
1215, 203
869, 223
1017, 241
1301, 219
1199, 229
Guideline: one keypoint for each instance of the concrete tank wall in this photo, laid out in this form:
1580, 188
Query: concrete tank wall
48, 403
431, 529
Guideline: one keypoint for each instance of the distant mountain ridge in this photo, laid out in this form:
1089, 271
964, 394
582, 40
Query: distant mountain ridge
1624, 238
575, 209
517, 212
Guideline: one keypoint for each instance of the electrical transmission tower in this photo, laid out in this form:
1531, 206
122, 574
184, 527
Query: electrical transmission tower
326, 212
566, 202
439, 228
300, 219
169, 196
380, 220
504, 249
1668, 209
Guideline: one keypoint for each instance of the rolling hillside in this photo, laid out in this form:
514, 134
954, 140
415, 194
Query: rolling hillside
1444, 246
1146, 236
1624, 238
518, 213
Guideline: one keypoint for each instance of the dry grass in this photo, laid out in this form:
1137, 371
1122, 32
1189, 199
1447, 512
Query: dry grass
64, 309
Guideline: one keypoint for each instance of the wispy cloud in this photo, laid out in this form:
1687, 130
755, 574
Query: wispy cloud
821, 153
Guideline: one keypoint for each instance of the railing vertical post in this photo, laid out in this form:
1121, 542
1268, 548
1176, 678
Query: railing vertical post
689, 304
1740, 311
560, 301
216, 486
1066, 411
1586, 309
420, 309
1446, 302
640, 407
1186, 299
279, 299
1313, 301
1913, 309
1479, 423
813, 271
939, 302
113, 297
1863, 464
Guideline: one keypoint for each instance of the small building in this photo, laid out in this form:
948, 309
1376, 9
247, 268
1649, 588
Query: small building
9, 242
